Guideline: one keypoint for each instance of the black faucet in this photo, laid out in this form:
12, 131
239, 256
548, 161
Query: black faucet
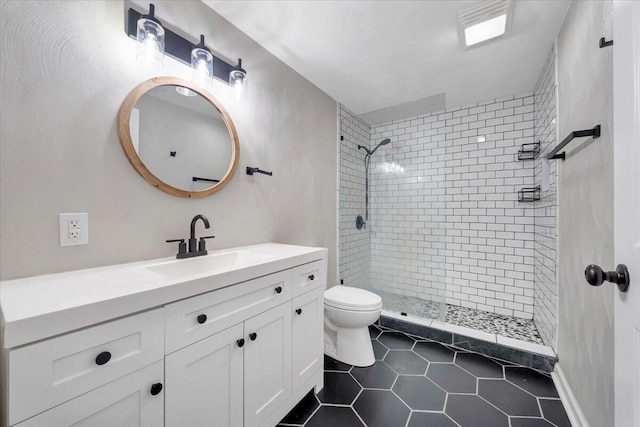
194, 250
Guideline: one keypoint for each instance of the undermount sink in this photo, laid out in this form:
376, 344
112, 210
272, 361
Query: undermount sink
208, 264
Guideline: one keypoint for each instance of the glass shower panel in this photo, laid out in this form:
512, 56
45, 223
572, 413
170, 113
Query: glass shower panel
408, 223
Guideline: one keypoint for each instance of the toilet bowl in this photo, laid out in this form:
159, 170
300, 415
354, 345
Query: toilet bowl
347, 314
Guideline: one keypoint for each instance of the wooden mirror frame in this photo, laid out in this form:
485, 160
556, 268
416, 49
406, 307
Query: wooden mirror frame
124, 133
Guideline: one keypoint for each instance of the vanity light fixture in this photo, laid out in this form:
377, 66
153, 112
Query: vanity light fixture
206, 66
150, 37
484, 21
238, 82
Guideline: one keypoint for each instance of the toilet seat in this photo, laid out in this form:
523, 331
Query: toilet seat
354, 299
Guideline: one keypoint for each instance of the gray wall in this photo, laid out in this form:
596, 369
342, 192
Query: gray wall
585, 190
62, 85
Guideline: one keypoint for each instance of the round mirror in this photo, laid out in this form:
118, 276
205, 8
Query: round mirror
178, 137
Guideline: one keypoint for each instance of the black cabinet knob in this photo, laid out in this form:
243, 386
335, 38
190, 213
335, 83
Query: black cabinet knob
253, 336
311, 277
278, 289
156, 389
103, 358
299, 310
240, 342
202, 318
595, 276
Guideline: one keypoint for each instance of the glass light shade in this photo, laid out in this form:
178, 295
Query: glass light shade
202, 66
185, 91
150, 38
238, 82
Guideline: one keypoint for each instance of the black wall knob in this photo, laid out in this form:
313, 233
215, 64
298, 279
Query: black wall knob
595, 276
278, 289
311, 277
240, 342
103, 358
156, 389
202, 318
299, 310
253, 336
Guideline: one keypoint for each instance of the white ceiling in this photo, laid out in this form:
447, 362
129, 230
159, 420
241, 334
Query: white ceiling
370, 55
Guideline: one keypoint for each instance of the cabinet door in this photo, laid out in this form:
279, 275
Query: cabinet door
267, 363
204, 382
126, 402
308, 312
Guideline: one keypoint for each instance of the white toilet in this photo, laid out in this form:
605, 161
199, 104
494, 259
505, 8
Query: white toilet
347, 314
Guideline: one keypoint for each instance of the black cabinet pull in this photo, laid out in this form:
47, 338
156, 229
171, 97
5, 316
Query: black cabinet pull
311, 277
278, 289
156, 389
240, 342
202, 318
299, 310
253, 336
103, 358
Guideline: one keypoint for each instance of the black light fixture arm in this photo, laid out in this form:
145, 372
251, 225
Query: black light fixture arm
177, 46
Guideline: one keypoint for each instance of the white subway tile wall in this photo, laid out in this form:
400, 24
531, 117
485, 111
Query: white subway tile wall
354, 244
545, 232
445, 220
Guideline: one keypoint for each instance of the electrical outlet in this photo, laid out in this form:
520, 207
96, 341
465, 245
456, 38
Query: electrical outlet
74, 229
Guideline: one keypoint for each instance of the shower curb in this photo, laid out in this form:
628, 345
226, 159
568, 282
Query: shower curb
520, 357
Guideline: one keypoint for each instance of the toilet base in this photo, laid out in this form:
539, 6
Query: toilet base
350, 346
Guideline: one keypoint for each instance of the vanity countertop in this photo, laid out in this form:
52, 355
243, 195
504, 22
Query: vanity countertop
40, 307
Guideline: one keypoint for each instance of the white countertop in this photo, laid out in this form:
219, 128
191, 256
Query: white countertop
39, 307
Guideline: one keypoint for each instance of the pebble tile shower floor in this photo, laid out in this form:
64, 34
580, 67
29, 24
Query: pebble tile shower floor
421, 383
506, 326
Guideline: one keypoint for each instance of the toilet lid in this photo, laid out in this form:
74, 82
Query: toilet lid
349, 298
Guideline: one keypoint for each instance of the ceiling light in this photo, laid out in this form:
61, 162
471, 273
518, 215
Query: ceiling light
484, 21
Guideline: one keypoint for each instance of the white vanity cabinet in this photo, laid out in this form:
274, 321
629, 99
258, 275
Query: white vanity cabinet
259, 361
207, 382
241, 354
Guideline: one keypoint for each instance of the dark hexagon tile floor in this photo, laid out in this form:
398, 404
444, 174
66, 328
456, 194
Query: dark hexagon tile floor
418, 383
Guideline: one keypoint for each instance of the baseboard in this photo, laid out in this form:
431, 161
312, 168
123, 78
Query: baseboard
568, 398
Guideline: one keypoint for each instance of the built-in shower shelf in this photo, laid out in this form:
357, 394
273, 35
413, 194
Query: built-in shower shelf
529, 151
530, 194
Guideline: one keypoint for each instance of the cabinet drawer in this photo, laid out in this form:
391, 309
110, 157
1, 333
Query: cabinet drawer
126, 402
51, 372
309, 276
196, 318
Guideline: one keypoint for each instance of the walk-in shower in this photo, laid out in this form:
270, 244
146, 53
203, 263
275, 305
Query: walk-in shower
446, 238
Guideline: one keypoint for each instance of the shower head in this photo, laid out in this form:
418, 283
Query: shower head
383, 142
370, 152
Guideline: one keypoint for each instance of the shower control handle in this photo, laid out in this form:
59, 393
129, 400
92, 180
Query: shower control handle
595, 276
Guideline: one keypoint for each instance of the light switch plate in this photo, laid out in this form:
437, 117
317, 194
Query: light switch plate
74, 229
